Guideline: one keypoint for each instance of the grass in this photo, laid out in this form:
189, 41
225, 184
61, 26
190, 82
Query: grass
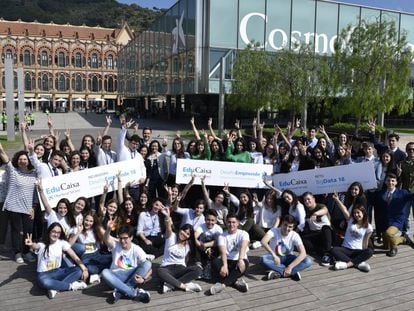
404, 130
11, 145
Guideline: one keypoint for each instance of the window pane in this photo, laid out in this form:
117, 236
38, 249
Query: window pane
326, 27
251, 22
278, 25
303, 22
221, 20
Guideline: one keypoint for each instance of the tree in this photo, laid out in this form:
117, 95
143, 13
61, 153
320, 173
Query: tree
252, 81
372, 68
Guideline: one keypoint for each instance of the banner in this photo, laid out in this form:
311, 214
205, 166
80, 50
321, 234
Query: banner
90, 182
218, 173
328, 180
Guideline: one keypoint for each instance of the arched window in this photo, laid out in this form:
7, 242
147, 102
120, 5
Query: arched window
110, 84
95, 84
62, 86
9, 54
44, 59
78, 60
61, 59
110, 62
190, 65
94, 62
78, 84
176, 66
45, 82
27, 58
27, 82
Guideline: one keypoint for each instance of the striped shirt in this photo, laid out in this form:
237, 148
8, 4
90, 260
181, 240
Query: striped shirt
20, 190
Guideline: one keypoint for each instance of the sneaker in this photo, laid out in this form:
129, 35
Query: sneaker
166, 288
142, 296
296, 277
78, 285
19, 259
51, 293
326, 261
241, 285
392, 252
193, 287
116, 296
364, 267
255, 245
94, 279
340, 265
216, 288
29, 257
150, 257
273, 275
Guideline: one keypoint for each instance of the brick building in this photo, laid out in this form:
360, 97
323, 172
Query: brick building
66, 67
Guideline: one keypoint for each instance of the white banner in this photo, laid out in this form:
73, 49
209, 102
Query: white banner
90, 182
329, 179
218, 173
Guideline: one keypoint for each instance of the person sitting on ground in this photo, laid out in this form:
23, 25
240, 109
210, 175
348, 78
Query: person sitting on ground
280, 244
216, 205
233, 263
130, 266
179, 250
206, 237
50, 275
354, 250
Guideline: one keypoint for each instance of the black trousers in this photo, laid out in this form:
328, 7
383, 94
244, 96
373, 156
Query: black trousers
176, 275
234, 272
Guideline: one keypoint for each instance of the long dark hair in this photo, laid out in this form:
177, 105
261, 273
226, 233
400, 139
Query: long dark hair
245, 210
191, 239
96, 226
69, 215
47, 237
360, 207
360, 198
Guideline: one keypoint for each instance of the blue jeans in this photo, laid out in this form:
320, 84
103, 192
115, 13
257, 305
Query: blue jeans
268, 261
59, 279
124, 280
96, 262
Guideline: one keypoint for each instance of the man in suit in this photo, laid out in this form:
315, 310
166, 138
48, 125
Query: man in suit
390, 209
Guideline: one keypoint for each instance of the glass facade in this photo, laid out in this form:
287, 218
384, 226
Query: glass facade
181, 52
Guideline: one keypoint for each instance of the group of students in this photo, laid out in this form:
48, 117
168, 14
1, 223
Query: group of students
198, 235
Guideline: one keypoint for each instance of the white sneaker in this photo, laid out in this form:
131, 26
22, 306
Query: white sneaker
51, 293
78, 285
166, 288
193, 287
19, 259
94, 279
29, 257
363, 266
142, 296
255, 245
216, 288
340, 265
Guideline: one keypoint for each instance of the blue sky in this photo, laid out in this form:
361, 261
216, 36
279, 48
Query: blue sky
161, 4
399, 5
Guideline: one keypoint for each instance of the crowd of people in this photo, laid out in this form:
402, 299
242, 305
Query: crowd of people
200, 231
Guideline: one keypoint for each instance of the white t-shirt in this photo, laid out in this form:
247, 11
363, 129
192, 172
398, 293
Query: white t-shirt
299, 213
264, 216
52, 259
190, 217
354, 236
127, 259
208, 235
233, 243
283, 245
55, 217
174, 254
88, 239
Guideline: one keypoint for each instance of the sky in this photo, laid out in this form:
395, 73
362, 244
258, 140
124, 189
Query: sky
399, 5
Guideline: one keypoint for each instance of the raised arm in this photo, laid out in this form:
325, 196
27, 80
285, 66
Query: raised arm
237, 127
260, 132
120, 190
254, 127
187, 187
270, 185
205, 191
42, 195
108, 239
196, 133
168, 222
285, 139
210, 128
3, 155
102, 208
25, 139
108, 125
69, 140
341, 206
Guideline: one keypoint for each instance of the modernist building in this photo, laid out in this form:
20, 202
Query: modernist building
65, 66
180, 54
